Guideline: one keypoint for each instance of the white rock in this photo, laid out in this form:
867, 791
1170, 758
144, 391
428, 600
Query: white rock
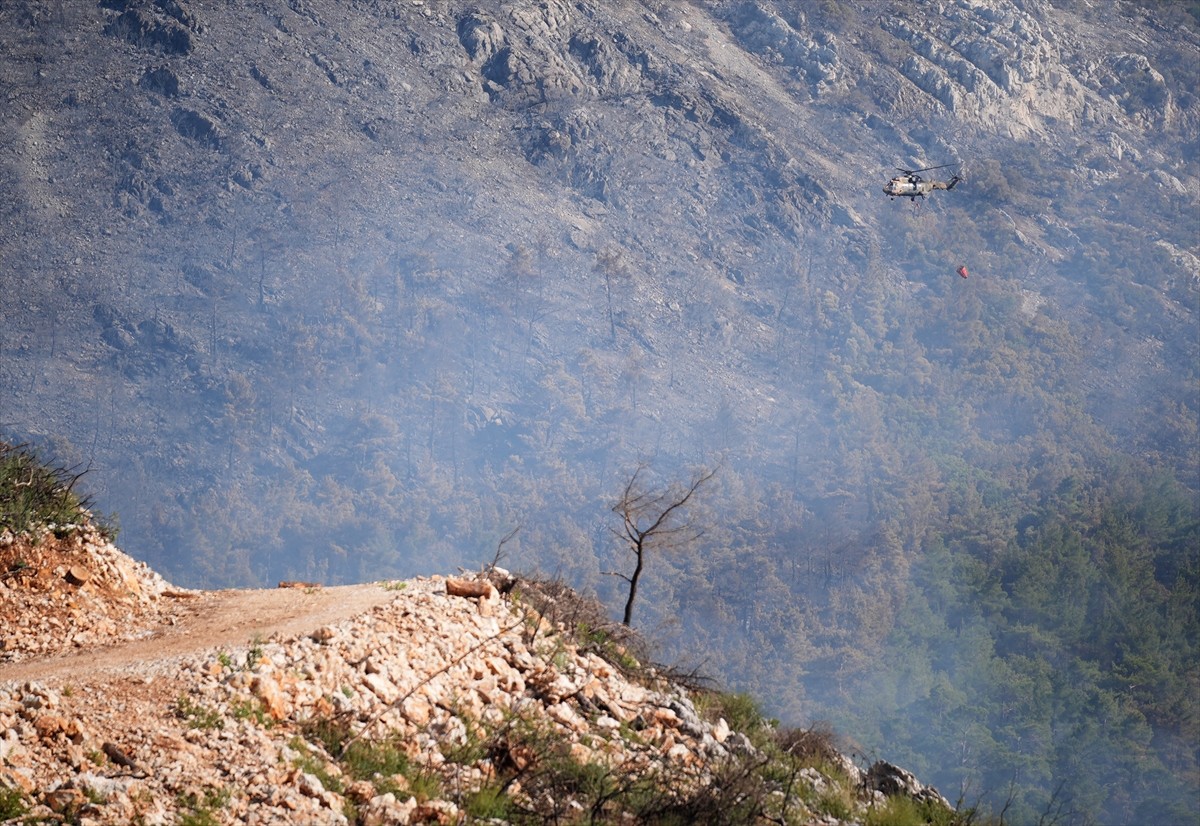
720, 731
381, 687
385, 810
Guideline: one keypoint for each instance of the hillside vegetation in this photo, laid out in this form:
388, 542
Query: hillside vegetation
342, 292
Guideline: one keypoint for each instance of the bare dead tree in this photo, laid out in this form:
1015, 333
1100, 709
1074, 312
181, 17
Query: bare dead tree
653, 519
611, 264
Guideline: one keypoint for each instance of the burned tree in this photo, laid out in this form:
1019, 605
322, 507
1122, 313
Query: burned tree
653, 519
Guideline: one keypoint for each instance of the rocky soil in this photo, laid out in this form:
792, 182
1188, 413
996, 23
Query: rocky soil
126, 700
75, 592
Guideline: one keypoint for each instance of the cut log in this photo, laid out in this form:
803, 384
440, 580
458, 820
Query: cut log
468, 587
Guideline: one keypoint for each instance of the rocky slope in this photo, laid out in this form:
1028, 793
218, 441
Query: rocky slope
428, 708
241, 226
77, 590
342, 290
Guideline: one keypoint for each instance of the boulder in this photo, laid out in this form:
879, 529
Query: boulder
892, 780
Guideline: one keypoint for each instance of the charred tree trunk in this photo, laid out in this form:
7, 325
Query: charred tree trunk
653, 518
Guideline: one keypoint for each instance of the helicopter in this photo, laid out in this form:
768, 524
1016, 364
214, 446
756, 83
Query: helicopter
912, 185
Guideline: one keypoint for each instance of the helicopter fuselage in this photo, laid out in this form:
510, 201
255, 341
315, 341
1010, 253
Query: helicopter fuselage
909, 186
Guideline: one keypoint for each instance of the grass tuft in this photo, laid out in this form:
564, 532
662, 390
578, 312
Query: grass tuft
202, 810
196, 715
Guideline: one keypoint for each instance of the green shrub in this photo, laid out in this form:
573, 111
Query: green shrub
198, 716
904, 811
252, 709
487, 803
34, 494
12, 804
739, 710
376, 760
836, 802
313, 764
364, 759
197, 810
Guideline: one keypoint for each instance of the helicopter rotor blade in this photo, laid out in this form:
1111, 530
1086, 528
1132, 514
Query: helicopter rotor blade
928, 168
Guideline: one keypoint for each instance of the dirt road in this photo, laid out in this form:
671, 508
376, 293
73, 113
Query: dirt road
209, 620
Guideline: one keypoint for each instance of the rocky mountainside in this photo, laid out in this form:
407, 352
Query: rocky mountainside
431, 707
564, 235
343, 291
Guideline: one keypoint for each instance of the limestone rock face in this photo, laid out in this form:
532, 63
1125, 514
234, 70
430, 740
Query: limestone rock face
993, 63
